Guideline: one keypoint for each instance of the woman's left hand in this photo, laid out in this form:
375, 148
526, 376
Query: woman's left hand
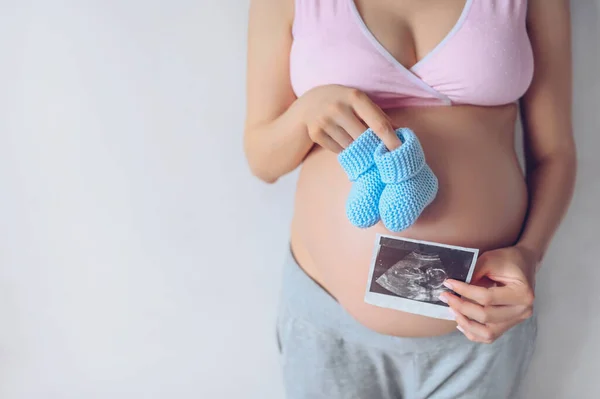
499, 297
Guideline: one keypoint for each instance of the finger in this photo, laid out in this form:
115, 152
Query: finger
475, 331
503, 295
481, 314
376, 119
340, 135
350, 123
332, 145
328, 143
469, 335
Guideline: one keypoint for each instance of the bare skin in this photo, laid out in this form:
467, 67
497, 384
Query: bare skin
484, 199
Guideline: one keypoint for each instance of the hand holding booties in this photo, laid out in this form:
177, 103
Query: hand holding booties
392, 186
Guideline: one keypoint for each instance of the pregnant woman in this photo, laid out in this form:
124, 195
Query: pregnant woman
456, 72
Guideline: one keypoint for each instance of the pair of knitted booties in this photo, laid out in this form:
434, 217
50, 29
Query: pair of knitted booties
392, 186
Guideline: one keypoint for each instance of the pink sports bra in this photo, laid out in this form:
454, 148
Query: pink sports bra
486, 59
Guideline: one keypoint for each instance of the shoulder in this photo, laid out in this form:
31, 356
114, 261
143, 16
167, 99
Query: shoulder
269, 10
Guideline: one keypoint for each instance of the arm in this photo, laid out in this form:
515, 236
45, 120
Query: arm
548, 136
275, 142
493, 309
280, 129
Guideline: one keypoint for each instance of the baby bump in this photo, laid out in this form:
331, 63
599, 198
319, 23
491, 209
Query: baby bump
481, 203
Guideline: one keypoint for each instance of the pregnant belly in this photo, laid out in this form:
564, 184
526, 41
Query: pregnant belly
481, 203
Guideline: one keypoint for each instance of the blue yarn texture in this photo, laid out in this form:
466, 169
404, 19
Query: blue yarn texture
362, 204
410, 185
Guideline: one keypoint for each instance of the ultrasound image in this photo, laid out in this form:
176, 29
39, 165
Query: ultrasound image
417, 271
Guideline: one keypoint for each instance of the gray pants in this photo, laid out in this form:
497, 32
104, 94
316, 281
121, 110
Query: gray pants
326, 353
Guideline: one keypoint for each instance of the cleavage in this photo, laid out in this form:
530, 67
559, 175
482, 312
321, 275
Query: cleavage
410, 29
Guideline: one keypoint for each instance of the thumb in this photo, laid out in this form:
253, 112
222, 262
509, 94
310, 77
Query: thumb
499, 273
483, 281
482, 269
489, 271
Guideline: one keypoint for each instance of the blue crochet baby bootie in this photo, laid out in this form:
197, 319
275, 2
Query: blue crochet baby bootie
410, 185
362, 205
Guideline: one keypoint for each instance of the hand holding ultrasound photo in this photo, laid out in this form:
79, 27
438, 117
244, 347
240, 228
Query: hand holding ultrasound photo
408, 274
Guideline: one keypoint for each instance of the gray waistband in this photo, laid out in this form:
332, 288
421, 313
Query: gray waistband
302, 298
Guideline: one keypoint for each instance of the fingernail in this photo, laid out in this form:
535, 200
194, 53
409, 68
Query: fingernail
443, 298
453, 313
447, 284
459, 328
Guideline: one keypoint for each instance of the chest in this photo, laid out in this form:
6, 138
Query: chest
414, 52
409, 29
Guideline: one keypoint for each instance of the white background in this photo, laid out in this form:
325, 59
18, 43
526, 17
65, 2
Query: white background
139, 259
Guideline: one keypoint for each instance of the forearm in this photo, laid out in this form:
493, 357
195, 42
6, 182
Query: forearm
276, 148
551, 183
547, 125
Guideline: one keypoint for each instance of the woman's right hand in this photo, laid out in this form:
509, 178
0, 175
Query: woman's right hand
336, 115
